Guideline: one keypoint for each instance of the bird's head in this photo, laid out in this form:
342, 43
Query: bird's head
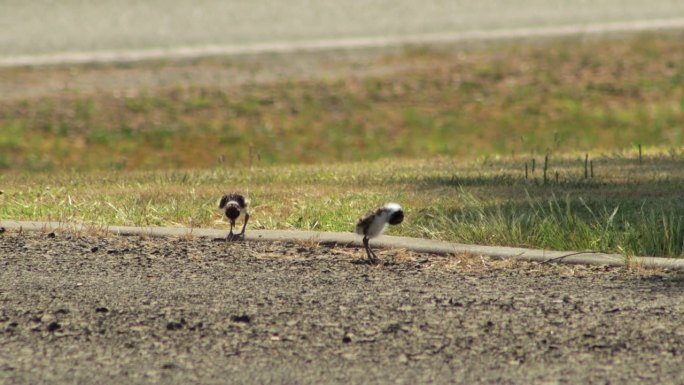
396, 214
230, 207
232, 210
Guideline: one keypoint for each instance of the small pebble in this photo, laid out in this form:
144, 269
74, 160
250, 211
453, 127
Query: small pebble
53, 326
241, 318
174, 326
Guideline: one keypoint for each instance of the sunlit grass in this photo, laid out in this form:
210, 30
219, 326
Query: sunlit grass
627, 207
446, 132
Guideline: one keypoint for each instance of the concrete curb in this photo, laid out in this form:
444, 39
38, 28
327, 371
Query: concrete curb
350, 239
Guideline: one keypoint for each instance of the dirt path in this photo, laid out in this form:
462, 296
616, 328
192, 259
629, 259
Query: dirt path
83, 309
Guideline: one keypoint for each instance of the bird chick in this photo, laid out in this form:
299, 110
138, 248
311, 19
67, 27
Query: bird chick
375, 222
233, 205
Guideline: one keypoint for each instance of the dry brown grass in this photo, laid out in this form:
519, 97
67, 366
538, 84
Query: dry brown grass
560, 96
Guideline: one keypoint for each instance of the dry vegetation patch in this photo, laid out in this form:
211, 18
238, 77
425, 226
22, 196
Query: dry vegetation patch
558, 95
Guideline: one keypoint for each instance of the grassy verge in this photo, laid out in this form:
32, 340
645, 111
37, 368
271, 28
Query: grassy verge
563, 95
629, 207
312, 153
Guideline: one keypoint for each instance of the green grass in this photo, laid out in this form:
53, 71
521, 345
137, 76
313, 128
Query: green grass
627, 207
445, 132
561, 95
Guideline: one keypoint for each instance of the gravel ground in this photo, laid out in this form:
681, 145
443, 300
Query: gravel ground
105, 309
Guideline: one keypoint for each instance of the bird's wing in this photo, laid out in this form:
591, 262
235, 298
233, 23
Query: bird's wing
223, 201
365, 221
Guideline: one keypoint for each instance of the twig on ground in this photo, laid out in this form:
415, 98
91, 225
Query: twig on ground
570, 255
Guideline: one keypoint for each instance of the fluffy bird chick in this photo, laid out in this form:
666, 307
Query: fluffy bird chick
233, 205
375, 222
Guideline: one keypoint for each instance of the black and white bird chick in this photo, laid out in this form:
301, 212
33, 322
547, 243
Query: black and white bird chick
233, 205
375, 222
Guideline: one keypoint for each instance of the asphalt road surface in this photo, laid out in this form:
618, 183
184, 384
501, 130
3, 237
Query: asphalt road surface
88, 309
31, 29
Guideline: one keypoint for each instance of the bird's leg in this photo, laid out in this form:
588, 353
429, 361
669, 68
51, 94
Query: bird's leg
375, 257
372, 259
242, 233
229, 237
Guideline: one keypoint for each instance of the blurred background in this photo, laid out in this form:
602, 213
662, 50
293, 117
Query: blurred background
157, 84
51, 27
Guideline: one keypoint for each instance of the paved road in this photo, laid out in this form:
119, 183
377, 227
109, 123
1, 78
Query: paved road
44, 27
86, 309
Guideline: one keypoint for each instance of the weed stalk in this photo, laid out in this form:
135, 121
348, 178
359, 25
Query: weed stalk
546, 167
